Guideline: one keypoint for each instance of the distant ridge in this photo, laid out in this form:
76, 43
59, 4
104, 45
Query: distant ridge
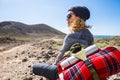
12, 28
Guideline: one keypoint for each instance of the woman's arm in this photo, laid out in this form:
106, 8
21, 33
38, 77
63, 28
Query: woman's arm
69, 40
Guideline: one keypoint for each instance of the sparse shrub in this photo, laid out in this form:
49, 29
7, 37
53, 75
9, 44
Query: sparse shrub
59, 43
7, 39
103, 43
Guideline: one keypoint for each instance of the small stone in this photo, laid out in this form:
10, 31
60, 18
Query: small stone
16, 56
29, 78
29, 66
24, 60
8, 58
23, 52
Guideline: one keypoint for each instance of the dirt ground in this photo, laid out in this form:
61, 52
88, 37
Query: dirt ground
16, 60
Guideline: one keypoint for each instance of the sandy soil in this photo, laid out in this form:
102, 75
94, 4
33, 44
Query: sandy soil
16, 62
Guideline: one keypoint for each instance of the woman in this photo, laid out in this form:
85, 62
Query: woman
79, 34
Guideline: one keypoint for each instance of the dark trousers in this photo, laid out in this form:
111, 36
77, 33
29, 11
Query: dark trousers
46, 70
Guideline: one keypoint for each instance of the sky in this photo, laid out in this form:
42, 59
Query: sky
104, 19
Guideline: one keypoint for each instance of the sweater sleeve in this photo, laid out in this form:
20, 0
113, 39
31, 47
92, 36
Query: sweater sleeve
69, 40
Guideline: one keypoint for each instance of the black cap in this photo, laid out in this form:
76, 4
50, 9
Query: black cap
81, 11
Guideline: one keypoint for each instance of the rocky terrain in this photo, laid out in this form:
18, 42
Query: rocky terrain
17, 60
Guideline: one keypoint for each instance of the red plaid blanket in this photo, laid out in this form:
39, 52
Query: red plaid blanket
106, 62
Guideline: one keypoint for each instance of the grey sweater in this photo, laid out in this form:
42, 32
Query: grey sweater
83, 36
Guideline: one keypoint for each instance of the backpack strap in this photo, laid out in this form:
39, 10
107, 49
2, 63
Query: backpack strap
82, 56
92, 70
74, 49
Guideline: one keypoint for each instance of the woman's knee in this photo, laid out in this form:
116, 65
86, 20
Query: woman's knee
46, 70
41, 68
35, 68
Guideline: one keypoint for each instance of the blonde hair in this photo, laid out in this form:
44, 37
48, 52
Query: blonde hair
78, 24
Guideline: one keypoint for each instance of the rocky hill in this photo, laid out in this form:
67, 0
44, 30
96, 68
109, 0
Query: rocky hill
11, 28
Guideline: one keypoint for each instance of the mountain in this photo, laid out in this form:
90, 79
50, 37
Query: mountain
18, 29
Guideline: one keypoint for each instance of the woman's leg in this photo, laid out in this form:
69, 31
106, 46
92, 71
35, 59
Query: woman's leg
46, 70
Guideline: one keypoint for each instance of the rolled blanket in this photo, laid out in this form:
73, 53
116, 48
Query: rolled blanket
106, 62
71, 60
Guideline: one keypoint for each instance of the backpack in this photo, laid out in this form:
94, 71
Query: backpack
97, 66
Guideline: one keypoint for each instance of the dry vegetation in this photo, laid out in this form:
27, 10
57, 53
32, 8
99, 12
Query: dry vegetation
102, 42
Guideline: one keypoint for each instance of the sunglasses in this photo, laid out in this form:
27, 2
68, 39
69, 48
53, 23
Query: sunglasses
69, 16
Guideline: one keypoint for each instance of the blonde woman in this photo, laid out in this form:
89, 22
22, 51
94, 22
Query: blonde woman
79, 34
79, 30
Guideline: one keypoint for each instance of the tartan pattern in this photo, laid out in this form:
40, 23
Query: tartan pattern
106, 62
